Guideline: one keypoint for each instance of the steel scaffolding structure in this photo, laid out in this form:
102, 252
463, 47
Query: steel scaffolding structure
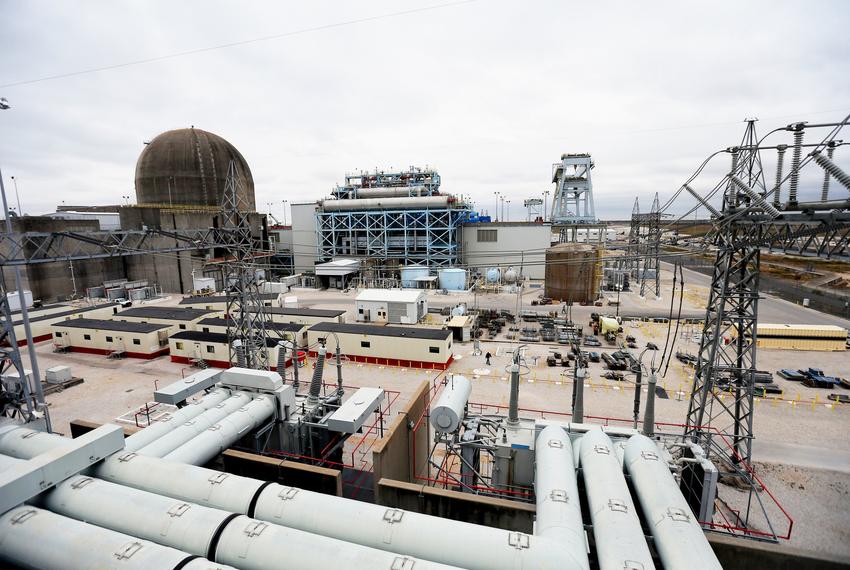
428, 237
573, 199
398, 216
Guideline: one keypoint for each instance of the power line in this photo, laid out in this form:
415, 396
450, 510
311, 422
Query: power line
195, 51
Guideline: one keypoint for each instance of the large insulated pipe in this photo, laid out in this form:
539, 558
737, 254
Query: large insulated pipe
386, 203
208, 532
256, 545
423, 536
170, 522
390, 192
447, 413
153, 432
318, 371
382, 528
182, 433
678, 537
556, 489
620, 542
35, 538
209, 443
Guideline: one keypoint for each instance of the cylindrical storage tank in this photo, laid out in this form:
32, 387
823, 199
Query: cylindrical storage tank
459, 311
493, 275
409, 274
620, 542
225, 433
203, 283
556, 489
255, 545
38, 539
452, 279
170, 522
387, 203
447, 413
572, 273
511, 275
677, 535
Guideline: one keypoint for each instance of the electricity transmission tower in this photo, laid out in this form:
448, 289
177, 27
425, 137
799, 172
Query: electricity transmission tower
753, 216
247, 318
649, 238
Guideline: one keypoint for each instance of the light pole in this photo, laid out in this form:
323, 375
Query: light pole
17, 196
638, 377
508, 217
496, 194
284, 202
545, 203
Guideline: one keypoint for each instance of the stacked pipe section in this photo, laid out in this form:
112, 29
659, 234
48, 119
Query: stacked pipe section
35, 538
447, 542
619, 538
556, 488
679, 539
185, 530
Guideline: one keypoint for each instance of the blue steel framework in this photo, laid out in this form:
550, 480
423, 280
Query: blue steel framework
429, 237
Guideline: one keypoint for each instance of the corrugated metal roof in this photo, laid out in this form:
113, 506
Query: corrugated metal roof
390, 295
168, 313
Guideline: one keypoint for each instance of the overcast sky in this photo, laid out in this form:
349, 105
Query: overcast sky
490, 93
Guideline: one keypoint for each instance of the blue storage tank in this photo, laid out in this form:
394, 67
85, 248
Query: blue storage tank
452, 279
410, 273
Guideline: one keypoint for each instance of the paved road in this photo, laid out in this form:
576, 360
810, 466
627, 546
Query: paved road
773, 309
801, 455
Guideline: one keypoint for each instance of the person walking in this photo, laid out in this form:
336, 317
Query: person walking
487, 358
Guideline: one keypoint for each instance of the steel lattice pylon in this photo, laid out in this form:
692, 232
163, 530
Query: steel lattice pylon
722, 392
649, 240
246, 316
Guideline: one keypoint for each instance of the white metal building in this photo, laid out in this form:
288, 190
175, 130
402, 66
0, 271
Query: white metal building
520, 245
399, 306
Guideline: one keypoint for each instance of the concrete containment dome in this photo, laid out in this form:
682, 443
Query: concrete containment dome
188, 167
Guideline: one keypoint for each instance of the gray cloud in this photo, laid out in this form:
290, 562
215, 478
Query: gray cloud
490, 93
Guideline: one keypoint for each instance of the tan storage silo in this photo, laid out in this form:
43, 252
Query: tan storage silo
572, 272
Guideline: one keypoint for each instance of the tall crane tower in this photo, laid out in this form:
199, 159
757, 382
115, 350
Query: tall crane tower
573, 199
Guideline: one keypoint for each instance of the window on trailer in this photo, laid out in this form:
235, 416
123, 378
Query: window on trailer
434, 349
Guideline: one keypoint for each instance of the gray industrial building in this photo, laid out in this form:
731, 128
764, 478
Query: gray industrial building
179, 180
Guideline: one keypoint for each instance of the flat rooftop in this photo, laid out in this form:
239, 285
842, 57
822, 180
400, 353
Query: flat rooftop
377, 330
109, 325
202, 299
167, 313
304, 312
211, 337
71, 311
390, 295
222, 322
